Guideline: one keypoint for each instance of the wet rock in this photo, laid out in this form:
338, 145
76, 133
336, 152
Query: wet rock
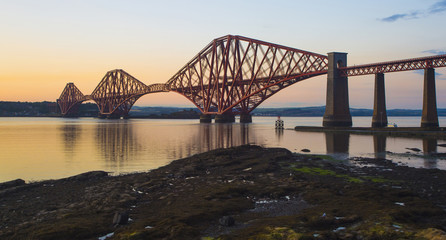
88, 175
120, 218
414, 149
226, 221
432, 233
305, 150
13, 183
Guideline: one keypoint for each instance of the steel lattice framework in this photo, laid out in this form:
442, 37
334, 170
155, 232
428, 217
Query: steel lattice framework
70, 97
395, 66
114, 95
235, 74
232, 74
117, 92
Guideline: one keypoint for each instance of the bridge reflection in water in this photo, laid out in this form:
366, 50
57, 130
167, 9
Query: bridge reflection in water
224, 135
117, 142
138, 145
338, 143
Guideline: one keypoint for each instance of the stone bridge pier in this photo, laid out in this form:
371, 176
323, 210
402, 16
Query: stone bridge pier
337, 111
429, 116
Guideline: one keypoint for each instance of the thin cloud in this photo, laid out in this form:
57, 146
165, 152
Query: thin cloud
395, 17
435, 51
436, 8
438, 76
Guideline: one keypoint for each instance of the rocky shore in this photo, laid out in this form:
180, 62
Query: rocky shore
247, 192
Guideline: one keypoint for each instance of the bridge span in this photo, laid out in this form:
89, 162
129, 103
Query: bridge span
233, 75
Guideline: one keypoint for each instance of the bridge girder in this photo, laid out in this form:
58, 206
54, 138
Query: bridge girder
395, 66
235, 73
117, 92
69, 99
232, 74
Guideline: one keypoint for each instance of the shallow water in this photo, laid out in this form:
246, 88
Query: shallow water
50, 148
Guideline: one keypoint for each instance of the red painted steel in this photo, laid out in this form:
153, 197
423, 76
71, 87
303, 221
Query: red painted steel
232, 74
70, 98
114, 95
395, 66
235, 74
117, 92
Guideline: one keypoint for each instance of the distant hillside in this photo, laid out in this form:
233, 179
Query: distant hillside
146, 111
41, 109
36, 109
285, 112
319, 112
164, 113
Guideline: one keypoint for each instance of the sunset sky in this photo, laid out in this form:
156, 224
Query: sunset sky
45, 44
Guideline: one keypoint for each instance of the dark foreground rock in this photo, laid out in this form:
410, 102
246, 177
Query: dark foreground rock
246, 192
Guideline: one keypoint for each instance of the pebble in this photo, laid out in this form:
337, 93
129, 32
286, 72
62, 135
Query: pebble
226, 221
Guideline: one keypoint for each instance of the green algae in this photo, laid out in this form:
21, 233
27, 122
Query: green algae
326, 172
377, 179
319, 156
278, 233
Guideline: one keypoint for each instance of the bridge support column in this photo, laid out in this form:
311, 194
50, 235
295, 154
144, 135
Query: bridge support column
225, 118
379, 106
337, 111
429, 116
245, 118
205, 118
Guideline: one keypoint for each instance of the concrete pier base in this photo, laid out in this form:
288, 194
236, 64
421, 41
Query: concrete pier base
245, 118
205, 118
224, 118
429, 116
379, 107
337, 111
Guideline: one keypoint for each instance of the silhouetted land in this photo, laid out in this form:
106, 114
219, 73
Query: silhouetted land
42, 109
319, 112
247, 192
37, 109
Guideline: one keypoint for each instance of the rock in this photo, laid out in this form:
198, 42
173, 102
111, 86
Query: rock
432, 233
88, 175
226, 221
13, 183
414, 149
305, 150
120, 218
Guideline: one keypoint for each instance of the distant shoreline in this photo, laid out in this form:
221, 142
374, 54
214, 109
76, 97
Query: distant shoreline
50, 109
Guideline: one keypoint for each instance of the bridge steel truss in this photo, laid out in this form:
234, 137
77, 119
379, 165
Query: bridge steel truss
395, 66
231, 75
114, 95
70, 99
234, 74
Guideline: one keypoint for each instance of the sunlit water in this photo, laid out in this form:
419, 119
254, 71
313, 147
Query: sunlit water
51, 148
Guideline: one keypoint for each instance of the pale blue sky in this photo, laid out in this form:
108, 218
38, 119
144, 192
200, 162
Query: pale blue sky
46, 44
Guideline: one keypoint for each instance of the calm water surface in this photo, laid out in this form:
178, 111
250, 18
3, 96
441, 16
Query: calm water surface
50, 148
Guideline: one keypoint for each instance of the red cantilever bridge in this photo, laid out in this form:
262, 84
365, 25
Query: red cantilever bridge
233, 75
